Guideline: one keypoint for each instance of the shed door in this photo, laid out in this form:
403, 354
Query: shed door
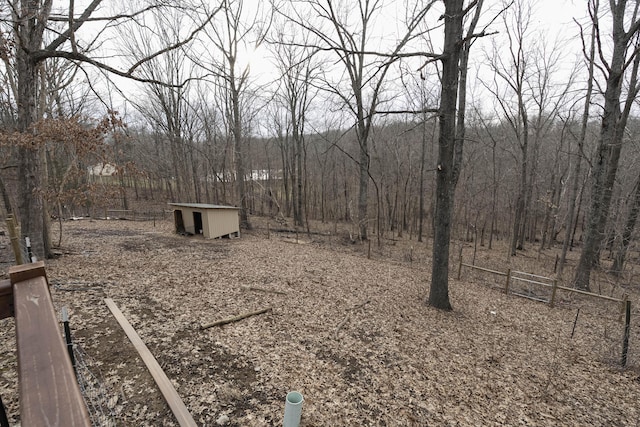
178, 221
197, 222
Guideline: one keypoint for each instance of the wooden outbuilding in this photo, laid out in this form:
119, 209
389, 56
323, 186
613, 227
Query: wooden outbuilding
212, 221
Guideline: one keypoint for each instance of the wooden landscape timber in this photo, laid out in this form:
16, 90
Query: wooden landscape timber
49, 392
169, 392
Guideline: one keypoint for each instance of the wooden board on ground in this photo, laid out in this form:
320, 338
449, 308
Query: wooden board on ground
168, 391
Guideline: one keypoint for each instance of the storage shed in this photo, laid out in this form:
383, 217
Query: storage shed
211, 221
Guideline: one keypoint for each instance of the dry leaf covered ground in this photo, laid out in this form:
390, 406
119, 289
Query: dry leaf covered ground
354, 335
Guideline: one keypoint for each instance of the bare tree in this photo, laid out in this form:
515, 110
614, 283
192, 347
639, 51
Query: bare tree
513, 72
31, 22
239, 28
421, 96
299, 69
454, 54
166, 106
589, 55
629, 227
529, 100
624, 61
365, 68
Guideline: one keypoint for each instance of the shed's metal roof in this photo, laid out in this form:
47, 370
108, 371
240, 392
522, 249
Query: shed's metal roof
202, 206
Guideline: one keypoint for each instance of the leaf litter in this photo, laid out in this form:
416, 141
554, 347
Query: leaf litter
353, 335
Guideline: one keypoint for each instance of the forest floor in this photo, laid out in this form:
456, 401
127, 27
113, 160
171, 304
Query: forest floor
353, 334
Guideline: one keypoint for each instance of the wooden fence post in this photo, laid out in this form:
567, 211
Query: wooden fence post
623, 305
506, 287
627, 330
575, 322
460, 267
553, 293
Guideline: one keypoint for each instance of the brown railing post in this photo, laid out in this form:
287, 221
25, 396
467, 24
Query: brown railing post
49, 391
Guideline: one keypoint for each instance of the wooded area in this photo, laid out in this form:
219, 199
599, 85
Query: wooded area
344, 119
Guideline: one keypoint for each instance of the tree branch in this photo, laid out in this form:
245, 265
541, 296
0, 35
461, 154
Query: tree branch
176, 45
61, 18
73, 26
422, 111
80, 57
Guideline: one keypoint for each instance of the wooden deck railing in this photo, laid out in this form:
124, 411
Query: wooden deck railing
49, 391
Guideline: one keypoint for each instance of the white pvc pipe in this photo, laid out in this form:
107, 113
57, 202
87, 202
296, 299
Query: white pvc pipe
293, 409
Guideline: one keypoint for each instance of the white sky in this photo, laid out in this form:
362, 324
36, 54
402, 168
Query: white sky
554, 18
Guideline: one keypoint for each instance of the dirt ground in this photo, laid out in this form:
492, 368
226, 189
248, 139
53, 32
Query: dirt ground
352, 334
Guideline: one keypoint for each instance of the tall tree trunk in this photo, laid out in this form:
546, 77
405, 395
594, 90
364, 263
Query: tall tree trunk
423, 153
611, 132
548, 225
299, 180
239, 159
553, 234
494, 194
519, 223
8, 209
630, 225
30, 204
286, 174
612, 167
363, 191
439, 289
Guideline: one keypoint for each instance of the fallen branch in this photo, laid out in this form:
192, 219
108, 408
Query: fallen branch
78, 288
235, 318
295, 242
255, 288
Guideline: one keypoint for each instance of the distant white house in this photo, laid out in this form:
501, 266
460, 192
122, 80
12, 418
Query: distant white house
254, 175
102, 169
264, 175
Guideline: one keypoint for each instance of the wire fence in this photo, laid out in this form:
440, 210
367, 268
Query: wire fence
100, 399
606, 318
137, 215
